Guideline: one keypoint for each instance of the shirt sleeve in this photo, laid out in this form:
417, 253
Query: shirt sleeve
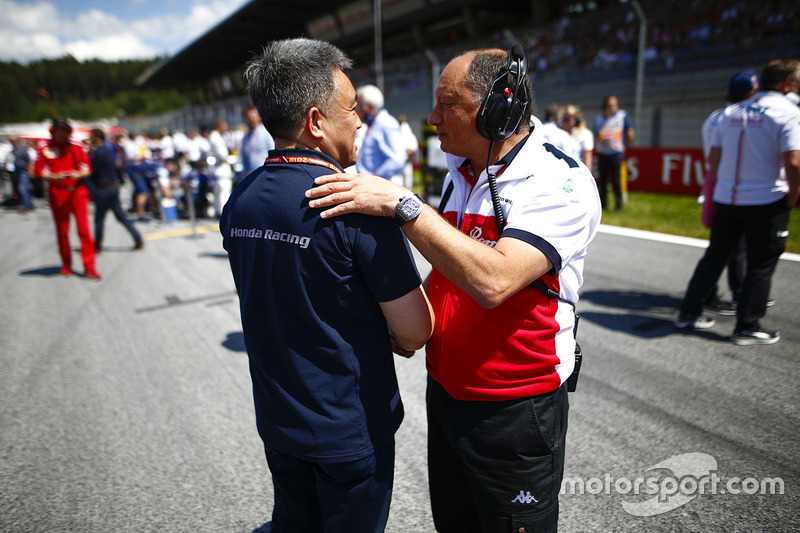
557, 220
790, 135
384, 258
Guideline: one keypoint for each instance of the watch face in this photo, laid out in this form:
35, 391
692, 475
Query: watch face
408, 209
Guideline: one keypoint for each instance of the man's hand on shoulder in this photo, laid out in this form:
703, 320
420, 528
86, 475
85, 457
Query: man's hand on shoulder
339, 194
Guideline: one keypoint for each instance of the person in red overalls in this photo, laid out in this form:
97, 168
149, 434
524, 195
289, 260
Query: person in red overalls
65, 165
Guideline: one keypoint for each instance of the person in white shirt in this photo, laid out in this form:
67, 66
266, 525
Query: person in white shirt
755, 161
555, 135
573, 123
742, 85
166, 145
220, 169
412, 149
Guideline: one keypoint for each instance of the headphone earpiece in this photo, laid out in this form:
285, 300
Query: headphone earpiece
502, 110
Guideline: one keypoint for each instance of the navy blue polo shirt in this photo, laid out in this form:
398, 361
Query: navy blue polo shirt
321, 362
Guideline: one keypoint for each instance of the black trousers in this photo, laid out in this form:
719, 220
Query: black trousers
609, 168
496, 466
764, 228
108, 200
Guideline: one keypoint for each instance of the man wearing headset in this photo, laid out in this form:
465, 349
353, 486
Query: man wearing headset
65, 165
501, 350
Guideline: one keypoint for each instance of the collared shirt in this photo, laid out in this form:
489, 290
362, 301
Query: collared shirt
525, 346
309, 289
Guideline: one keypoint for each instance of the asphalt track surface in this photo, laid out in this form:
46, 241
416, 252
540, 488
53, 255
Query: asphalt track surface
125, 404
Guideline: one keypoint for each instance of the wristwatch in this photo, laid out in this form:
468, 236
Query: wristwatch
408, 208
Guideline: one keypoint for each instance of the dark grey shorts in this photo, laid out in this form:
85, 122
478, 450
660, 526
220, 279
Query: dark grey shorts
496, 466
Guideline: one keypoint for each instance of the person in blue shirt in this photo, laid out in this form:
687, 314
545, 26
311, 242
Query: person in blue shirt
256, 142
323, 303
383, 148
104, 186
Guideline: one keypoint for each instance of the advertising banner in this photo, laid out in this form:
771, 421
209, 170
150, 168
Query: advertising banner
668, 170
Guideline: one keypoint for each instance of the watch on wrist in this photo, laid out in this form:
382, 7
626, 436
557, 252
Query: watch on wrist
408, 208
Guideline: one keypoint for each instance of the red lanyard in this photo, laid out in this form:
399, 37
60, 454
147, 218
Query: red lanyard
292, 159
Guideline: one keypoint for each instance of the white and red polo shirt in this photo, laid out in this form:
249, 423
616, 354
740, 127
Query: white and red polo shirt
525, 346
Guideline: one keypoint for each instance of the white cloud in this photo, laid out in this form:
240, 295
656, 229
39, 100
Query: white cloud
110, 48
34, 31
28, 47
41, 16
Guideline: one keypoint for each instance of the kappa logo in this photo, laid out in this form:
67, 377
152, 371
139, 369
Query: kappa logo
525, 497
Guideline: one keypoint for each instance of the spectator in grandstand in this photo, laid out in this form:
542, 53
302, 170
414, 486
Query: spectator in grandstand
613, 131
256, 143
383, 150
572, 121
65, 165
556, 135
755, 161
501, 350
322, 302
104, 185
742, 85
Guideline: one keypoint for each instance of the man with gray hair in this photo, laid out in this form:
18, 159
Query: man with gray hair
324, 303
382, 150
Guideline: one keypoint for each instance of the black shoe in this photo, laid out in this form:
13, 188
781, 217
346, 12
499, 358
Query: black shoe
720, 307
745, 338
694, 322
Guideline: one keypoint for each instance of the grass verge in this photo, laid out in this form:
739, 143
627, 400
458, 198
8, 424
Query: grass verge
676, 215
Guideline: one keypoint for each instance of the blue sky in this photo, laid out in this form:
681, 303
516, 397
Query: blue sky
111, 30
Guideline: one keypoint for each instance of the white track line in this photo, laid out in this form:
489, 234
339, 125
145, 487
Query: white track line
672, 239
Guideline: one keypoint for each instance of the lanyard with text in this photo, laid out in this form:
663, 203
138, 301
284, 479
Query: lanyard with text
302, 160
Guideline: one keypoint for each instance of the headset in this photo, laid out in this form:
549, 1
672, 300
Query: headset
504, 107
501, 113
499, 117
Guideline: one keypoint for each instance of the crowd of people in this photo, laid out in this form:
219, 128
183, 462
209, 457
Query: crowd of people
316, 214
588, 41
197, 169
